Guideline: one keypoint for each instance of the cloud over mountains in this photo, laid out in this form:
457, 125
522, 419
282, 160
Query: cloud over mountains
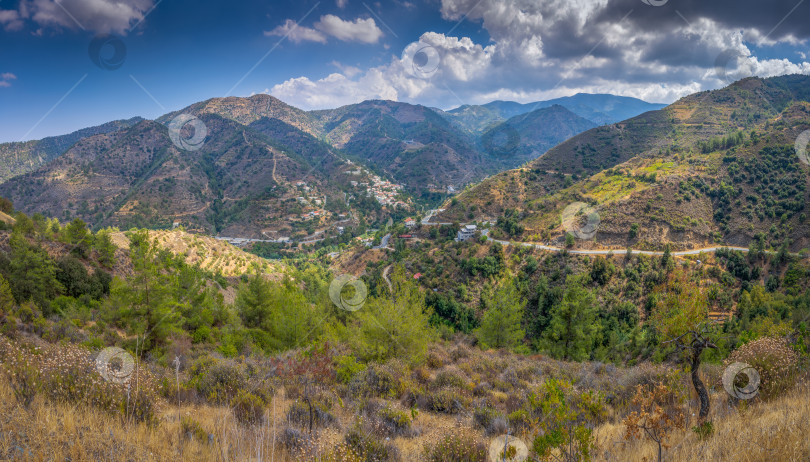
544, 49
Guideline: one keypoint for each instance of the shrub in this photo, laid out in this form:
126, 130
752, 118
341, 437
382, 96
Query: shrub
67, 374
434, 361
347, 367
369, 448
193, 430
25, 382
502, 385
704, 431
413, 395
247, 408
449, 379
460, 352
569, 416
300, 413
217, 381
447, 400
490, 420
482, 389
519, 419
774, 360
376, 380
293, 439
421, 375
457, 446
654, 415
396, 422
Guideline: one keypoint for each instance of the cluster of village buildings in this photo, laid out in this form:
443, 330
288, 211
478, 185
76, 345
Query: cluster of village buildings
384, 191
312, 202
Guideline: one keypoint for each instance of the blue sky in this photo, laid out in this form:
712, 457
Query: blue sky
329, 53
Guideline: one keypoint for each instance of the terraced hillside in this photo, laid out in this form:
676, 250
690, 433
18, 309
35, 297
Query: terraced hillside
240, 183
714, 167
208, 253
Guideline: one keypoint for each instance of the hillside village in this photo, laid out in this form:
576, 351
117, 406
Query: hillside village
384, 191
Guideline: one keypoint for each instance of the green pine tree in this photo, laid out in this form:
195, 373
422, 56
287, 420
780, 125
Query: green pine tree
571, 331
501, 325
277, 313
32, 275
105, 248
77, 235
253, 302
395, 326
6, 298
145, 301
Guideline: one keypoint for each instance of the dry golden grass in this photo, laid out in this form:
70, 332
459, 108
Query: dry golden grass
761, 431
765, 431
7, 218
48, 431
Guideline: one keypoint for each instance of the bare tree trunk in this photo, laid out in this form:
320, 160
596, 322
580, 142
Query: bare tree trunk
698, 384
309, 403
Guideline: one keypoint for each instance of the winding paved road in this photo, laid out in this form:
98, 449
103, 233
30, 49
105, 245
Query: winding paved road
384, 242
385, 276
485, 232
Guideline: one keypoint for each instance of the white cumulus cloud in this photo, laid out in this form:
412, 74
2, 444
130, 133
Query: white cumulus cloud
99, 16
360, 30
335, 90
297, 33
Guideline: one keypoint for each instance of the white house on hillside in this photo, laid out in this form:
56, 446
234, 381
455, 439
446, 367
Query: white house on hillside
467, 232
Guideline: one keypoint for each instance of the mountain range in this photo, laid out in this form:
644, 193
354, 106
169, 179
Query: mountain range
600, 109
24, 156
265, 164
715, 167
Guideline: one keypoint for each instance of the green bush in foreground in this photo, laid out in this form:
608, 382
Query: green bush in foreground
248, 408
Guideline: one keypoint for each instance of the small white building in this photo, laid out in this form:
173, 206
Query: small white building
466, 233
410, 223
